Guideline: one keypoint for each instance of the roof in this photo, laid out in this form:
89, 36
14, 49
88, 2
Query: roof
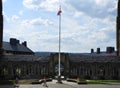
24, 58
92, 58
72, 57
18, 47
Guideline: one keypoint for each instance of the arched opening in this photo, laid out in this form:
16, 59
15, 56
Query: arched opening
57, 69
17, 71
101, 72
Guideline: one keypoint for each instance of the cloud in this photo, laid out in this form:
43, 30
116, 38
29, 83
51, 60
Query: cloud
101, 3
85, 25
4, 1
91, 33
15, 18
36, 22
49, 5
6, 18
20, 13
95, 8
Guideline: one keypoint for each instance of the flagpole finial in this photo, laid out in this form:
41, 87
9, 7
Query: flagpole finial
59, 11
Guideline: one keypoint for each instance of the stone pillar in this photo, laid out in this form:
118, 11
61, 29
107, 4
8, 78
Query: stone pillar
1, 28
119, 73
118, 29
93, 70
40, 70
106, 71
11, 71
24, 70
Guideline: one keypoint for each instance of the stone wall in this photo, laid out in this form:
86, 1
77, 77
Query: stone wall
39, 67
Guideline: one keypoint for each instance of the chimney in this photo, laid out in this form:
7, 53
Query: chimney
92, 50
98, 50
24, 43
110, 49
17, 41
1, 27
14, 41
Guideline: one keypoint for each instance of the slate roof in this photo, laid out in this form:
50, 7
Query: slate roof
24, 58
88, 58
18, 47
73, 58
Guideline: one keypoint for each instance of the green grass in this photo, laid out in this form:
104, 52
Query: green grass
7, 82
11, 82
102, 81
97, 81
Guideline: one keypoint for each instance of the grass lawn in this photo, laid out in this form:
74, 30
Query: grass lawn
7, 82
95, 81
11, 82
102, 81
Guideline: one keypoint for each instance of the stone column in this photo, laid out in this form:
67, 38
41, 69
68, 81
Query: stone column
1, 28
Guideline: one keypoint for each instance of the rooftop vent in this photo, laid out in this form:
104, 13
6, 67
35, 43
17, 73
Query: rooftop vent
24, 43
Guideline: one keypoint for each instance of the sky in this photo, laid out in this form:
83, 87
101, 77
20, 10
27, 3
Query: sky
85, 24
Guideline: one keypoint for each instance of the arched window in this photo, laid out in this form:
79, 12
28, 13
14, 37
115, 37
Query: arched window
17, 71
5, 70
101, 72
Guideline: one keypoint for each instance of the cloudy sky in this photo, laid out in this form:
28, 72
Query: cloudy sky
86, 24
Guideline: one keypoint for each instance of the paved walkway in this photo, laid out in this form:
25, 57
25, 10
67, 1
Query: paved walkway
65, 84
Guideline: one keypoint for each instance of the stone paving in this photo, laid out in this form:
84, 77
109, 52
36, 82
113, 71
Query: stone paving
65, 84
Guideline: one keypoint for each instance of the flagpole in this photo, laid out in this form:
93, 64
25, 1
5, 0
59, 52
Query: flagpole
59, 43
59, 54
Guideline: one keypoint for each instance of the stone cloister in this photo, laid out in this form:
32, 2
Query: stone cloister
85, 67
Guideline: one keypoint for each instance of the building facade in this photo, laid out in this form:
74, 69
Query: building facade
72, 66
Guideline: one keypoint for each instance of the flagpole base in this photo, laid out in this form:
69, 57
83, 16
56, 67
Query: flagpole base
59, 80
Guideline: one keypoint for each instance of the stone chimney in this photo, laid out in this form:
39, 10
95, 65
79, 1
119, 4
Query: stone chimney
1, 28
110, 49
92, 50
14, 41
98, 50
24, 43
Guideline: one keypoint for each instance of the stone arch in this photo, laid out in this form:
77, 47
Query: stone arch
16, 71
64, 62
29, 69
4, 71
101, 72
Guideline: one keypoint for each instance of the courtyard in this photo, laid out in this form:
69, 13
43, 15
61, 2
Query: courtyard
65, 84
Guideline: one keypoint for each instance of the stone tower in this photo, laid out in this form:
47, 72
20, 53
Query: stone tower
1, 27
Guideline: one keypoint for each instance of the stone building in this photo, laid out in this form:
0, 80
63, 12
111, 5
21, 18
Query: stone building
72, 65
13, 47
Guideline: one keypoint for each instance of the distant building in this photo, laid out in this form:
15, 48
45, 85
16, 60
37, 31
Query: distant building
72, 66
13, 47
